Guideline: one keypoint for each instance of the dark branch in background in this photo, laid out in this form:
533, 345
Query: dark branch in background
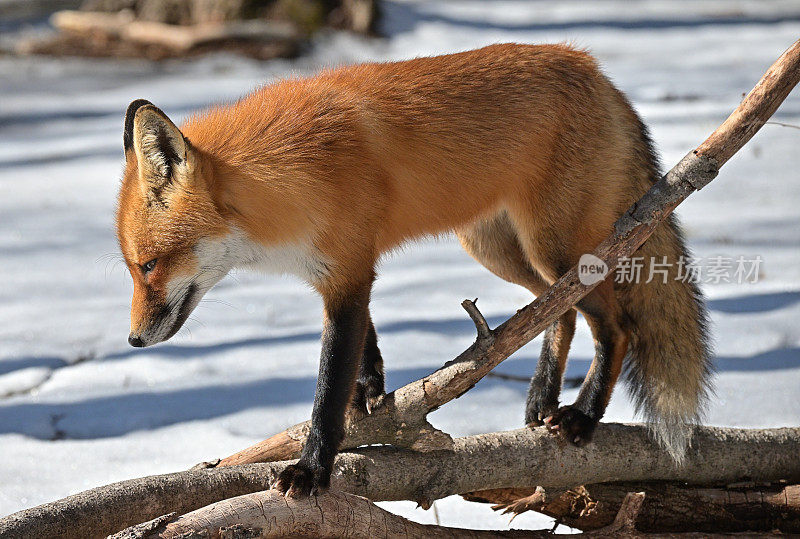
570, 382
669, 506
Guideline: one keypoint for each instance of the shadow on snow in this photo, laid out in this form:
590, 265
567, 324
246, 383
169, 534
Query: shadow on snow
119, 414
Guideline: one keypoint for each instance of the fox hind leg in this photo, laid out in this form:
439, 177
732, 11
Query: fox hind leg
551, 249
542, 401
494, 243
604, 316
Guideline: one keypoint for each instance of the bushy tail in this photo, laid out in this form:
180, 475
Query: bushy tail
668, 366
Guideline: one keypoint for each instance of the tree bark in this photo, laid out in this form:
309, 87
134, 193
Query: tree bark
269, 514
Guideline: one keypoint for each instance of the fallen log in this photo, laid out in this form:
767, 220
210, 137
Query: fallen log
268, 514
83, 22
88, 33
178, 38
523, 458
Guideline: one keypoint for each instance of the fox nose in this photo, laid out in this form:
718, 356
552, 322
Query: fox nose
136, 341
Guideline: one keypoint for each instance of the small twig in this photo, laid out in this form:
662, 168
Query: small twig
509, 377
784, 125
534, 502
484, 332
570, 382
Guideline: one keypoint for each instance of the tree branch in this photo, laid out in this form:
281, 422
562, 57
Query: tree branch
484, 333
268, 514
521, 458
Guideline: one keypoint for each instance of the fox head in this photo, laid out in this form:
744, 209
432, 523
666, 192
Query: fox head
169, 230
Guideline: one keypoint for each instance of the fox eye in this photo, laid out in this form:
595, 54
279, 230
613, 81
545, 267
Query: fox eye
147, 267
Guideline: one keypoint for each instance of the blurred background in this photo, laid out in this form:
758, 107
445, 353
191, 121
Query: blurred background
80, 408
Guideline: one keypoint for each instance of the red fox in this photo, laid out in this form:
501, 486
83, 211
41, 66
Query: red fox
527, 152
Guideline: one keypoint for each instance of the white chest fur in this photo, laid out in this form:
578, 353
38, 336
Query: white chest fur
300, 258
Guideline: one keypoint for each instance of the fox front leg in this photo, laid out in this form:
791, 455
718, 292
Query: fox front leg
370, 386
343, 340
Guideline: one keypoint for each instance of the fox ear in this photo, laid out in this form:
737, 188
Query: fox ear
127, 136
160, 148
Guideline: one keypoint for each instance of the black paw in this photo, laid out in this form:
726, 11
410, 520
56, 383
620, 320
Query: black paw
537, 408
368, 396
300, 480
574, 425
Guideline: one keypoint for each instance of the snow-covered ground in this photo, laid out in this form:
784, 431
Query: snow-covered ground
80, 408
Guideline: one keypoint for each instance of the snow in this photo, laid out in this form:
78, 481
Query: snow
80, 408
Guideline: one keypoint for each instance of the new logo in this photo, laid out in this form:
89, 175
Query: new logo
591, 269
